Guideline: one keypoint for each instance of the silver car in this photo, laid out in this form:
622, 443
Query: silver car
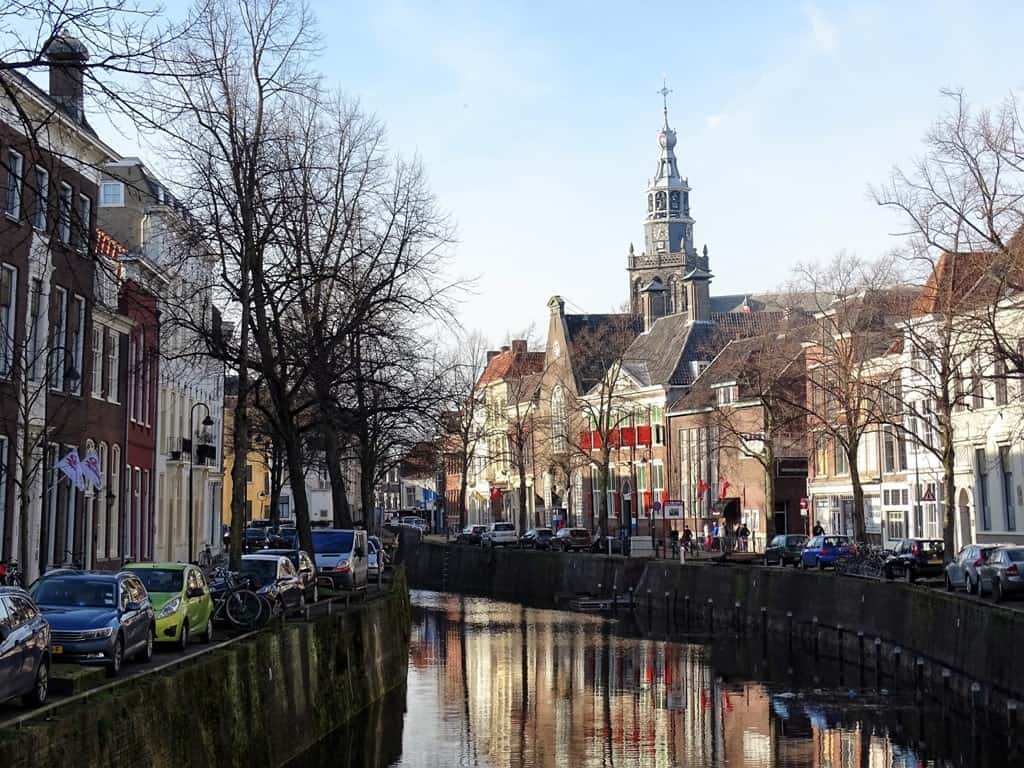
1004, 570
964, 572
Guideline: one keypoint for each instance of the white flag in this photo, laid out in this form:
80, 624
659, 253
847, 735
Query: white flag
71, 466
91, 469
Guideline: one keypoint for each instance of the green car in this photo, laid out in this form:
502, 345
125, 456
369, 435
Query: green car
181, 601
784, 549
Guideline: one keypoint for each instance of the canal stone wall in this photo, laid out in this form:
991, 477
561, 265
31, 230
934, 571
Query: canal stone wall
257, 703
945, 643
541, 579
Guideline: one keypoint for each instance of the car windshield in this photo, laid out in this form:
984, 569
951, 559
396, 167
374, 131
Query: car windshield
265, 571
292, 555
796, 541
76, 592
504, 527
543, 532
256, 533
1015, 555
160, 579
334, 542
836, 541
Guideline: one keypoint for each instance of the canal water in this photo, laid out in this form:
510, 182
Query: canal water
498, 685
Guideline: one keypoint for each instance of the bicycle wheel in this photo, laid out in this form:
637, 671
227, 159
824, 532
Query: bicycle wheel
244, 608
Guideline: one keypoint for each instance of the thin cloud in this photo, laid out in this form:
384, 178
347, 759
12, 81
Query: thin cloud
713, 121
824, 35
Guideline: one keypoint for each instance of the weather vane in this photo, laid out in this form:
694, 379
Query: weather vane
665, 91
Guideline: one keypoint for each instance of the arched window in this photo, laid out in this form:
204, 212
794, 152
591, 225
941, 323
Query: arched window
559, 425
659, 201
650, 203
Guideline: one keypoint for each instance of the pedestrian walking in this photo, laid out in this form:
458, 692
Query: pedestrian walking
744, 537
818, 529
687, 538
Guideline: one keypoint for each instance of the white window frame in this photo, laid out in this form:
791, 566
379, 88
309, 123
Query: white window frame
58, 341
41, 179
8, 319
113, 365
84, 222
111, 200
98, 334
64, 213
132, 373
15, 173
115, 505
37, 307
78, 347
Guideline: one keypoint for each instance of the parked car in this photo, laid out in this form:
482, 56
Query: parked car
785, 549
255, 538
340, 556
374, 559
916, 559
536, 538
417, 522
1004, 571
24, 648
965, 571
286, 537
572, 539
499, 535
277, 581
471, 534
305, 567
97, 617
181, 600
823, 551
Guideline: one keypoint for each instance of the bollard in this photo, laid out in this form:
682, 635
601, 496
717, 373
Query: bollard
947, 684
839, 638
918, 673
1011, 716
686, 611
615, 601
675, 605
860, 647
764, 622
817, 635
789, 620
650, 606
667, 615
711, 616
897, 657
736, 617
975, 700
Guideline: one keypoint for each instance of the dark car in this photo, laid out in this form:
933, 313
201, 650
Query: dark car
277, 581
470, 534
537, 538
785, 549
24, 648
572, 539
964, 572
255, 539
916, 559
1004, 571
824, 551
304, 566
96, 617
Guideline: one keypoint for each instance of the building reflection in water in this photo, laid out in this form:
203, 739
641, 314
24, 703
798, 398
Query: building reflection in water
499, 685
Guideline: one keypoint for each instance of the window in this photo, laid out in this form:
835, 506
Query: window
842, 460
113, 365
58, 341
8, 293
641, 477
84, 222
981, 461
64, 213
657, 425
133, 373
115, 500
999, 374
1006, 468
42, 199
977, 386
820, 455
248, 473
78, 345
111, 194
14, 171
558, 420
658, 478
147, 367
726, 395
98, 332
36, 321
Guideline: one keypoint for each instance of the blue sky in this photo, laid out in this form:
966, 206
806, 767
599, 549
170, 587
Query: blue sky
537, 122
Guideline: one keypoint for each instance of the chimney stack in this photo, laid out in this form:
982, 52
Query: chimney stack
67, 57
519, 346
505, 349
491, 354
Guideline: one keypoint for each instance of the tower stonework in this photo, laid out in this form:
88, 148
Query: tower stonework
669, 256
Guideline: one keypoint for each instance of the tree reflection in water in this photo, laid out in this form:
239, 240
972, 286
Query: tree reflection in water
497, 685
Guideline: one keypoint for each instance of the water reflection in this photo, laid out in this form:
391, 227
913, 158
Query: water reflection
498, 685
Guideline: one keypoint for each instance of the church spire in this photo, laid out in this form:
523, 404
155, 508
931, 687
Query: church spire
665, 91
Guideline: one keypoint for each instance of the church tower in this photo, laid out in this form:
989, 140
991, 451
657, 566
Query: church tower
669, 256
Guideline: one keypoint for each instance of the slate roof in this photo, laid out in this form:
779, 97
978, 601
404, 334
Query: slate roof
589, 371
770, 302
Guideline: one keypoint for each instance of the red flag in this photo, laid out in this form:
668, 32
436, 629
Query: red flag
702, 488
725, 487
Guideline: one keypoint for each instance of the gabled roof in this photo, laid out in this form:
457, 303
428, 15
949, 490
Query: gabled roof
588, 370
953, 279
511, 365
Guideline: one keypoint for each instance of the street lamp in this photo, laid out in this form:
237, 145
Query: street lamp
71, 375
207, 422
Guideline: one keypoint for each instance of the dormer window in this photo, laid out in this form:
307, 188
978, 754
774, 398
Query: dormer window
726, 394
111, 194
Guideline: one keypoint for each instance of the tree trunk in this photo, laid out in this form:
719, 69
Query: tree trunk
276, 482
463, 480
949, 501
240, 452
297, 479
522, 498
769, 495
339, 498
860, 534
368, 468
602, 506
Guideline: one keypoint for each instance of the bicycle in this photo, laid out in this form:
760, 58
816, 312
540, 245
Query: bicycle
238, 603
868, 562
10, 574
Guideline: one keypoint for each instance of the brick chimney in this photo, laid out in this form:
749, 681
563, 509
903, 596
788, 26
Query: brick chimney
505, 349
519, 346
67, 56
491, 354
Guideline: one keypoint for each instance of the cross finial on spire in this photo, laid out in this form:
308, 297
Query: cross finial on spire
665, 91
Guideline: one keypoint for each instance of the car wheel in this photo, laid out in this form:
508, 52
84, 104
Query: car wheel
147, 649
764, 561
182, 643
821, 565
997, 591
949, 584
116, 658
207, 636
909, 575
302, 605
803, 564
37, 696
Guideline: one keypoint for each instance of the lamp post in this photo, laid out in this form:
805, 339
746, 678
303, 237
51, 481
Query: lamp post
71, 375
207, 422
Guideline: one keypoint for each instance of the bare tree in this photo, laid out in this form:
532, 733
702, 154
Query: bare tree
465, 418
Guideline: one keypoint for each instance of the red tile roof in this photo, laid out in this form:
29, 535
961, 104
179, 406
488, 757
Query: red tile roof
108, 246
512, 365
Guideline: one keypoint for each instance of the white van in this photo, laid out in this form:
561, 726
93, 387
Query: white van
340, 557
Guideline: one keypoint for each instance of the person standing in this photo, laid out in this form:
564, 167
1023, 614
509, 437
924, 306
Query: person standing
818, 529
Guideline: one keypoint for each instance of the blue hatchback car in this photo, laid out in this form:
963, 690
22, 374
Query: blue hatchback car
24, 648
823, 551
97, 618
